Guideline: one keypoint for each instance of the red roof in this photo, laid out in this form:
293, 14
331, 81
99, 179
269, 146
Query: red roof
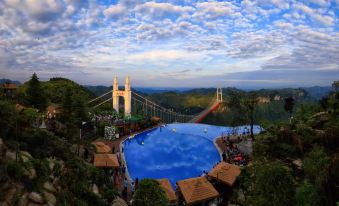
9, 86
225, 172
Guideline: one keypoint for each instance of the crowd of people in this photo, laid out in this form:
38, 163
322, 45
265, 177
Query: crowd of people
119, 177
232, 154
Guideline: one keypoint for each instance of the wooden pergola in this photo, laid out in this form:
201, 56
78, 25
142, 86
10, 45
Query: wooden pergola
167, 187
106, 161
225, 173
197, 190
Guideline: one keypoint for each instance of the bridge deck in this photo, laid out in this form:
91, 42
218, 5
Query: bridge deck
203, 114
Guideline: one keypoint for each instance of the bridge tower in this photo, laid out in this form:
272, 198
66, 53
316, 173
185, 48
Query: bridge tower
126, 94
219, 94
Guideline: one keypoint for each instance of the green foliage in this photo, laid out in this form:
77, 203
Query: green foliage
308, 195
305, 111
41, 167
76, 181
109, 195
271, 146
15, 170
67, 104
29, 115
79, 111
35, 93
55, 89
7, 118
315, 163
43, 144
273, 185
335, 85
150, 193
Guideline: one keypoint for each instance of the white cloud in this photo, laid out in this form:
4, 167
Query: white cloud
160, 10
213, 9
163, 56
115, 11
80, 37
326, 20
320, 2
44, 10
323, 19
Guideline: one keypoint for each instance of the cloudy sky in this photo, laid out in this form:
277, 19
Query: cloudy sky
178, 43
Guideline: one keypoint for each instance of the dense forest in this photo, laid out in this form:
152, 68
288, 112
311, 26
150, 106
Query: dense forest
295, 160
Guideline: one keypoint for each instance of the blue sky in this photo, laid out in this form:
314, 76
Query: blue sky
179, 43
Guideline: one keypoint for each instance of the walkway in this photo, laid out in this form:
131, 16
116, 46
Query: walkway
198, 118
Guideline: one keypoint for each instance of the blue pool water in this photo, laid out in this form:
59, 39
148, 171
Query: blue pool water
176, 151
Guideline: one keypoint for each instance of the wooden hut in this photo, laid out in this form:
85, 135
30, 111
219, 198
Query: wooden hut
225, 173
197, 190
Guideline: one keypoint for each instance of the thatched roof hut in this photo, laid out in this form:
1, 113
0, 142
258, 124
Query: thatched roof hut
196, 190
225, 173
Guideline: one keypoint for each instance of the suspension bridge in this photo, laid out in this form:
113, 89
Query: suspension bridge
135, 103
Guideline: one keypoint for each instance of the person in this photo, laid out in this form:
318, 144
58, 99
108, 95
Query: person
113, 149
132, 188
125, 184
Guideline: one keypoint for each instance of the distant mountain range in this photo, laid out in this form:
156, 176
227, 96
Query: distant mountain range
2, 81
316, 92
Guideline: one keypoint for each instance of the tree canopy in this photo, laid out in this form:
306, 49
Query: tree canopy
35, 94
150, 193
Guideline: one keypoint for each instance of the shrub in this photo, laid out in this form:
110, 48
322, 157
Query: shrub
15, 170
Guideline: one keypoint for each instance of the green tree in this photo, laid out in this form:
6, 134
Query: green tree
35, 93
250, 102
289, 104
79, 111
273, 185
234, 103
7, 118
67, 104
150, 193
335, 86
308, 195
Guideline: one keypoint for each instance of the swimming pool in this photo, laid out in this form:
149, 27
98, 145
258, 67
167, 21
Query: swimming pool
176, 151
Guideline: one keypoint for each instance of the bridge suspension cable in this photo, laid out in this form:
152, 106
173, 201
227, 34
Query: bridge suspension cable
99, 97
101, 103
152, 109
